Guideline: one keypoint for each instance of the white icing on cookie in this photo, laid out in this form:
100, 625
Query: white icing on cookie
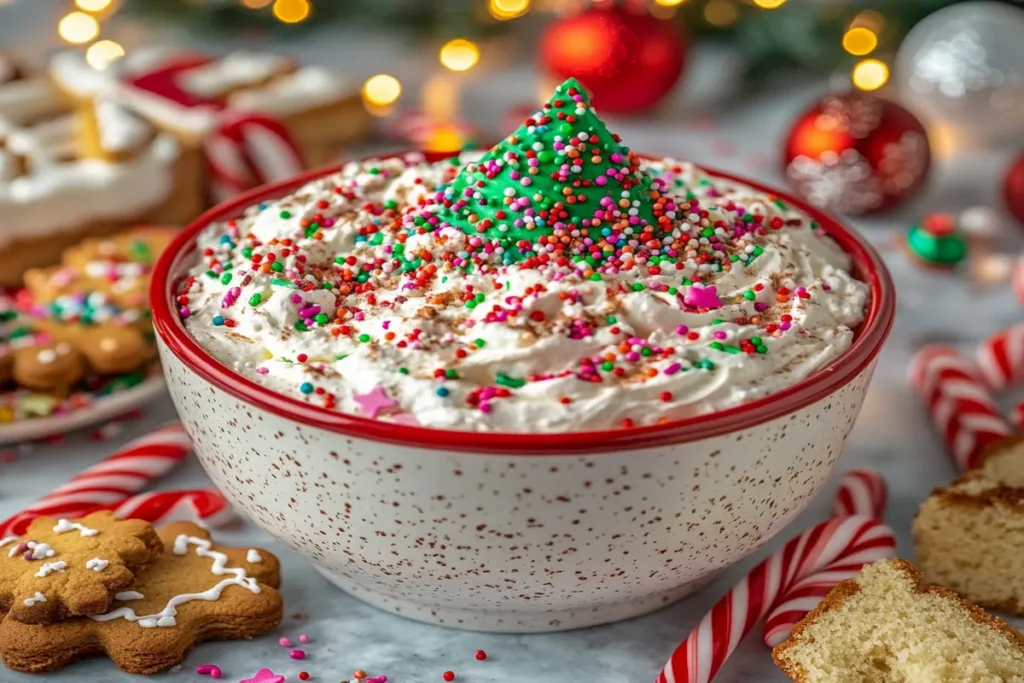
51, 567
64, 526
253, 556
165, 617
307, 88
38, 597
236, 71
45, 143
96, 564
129, 595
121, 131
39, 551
7, 540
76, 193
24, 102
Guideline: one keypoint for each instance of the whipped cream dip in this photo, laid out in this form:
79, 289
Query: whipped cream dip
555, 283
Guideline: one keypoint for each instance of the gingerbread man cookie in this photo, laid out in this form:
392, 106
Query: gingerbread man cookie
196, 591
63, 568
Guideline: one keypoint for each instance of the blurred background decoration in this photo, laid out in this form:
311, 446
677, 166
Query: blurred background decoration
771, 35
948, 73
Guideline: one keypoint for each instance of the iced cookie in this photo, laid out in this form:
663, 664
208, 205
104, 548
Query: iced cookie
61, 568
78, 168
196, 591
51, 367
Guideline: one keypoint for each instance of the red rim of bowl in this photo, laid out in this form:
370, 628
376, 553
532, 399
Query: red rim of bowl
868, 341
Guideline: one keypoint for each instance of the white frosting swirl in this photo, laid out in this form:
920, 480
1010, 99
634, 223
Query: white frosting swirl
526, 347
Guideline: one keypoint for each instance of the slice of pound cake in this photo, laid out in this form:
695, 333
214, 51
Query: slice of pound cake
969, 535
887, 625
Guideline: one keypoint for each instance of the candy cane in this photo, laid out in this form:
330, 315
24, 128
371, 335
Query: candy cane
837, 544
250, 149
203, 506
158, 507
958, 401
1001, 357
118, 476
860, 493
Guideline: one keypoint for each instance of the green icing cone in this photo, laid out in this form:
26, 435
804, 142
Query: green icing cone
561, 171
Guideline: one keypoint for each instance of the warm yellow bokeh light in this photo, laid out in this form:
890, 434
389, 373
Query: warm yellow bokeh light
459, 54
291, 11
860, 41
508, 9
78, 27
870, 74
256, 4
93, 5
101, 54
769, 4
381, 90
669, 3
720, 13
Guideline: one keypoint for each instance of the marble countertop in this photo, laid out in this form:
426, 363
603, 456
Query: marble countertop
892, 434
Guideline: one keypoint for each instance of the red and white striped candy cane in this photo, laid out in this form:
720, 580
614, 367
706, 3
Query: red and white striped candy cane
860, 493
958, 400
203, 506
248, 150
1017, 418
839, 542
128, 471
1001, 357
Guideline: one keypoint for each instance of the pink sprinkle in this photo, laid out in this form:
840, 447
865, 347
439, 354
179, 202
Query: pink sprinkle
209, 670
303, 638
297, 654
284, 642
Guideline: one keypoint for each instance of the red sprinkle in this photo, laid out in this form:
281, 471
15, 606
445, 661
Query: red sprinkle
303, 676
481, 655
448, 676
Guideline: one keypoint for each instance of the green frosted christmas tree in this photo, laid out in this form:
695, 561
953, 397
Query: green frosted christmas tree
561, 172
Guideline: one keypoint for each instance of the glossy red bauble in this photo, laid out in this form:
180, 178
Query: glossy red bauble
628, 60
1013, 188
856, 153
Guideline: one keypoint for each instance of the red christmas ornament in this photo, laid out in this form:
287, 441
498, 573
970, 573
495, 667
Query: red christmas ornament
1013, 188
627, 59
856, 153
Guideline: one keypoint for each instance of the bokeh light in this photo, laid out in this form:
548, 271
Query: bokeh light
459, 54
93, 5
508, 9
256, 4
381, 90
870, 74
291, 11
769, 4
669, 3
860, 41
78, 27
101, 54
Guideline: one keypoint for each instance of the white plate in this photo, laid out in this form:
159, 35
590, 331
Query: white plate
106, 408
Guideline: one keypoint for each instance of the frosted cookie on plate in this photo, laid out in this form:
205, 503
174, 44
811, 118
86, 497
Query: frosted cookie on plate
71, 170
887, 625
207, 102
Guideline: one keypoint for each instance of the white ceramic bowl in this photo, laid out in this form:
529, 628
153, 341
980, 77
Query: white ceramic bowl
515, 532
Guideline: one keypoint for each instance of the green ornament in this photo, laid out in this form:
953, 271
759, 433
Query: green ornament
552, 174
936, 241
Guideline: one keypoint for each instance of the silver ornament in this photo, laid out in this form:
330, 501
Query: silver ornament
963, 67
